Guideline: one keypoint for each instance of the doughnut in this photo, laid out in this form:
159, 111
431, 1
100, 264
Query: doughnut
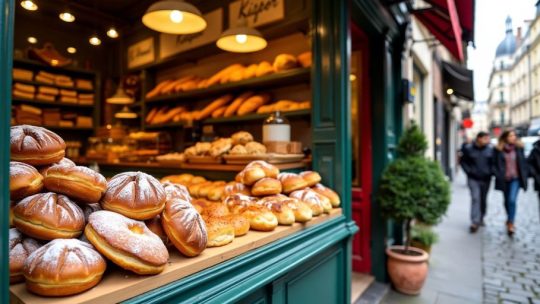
311, 177
314, 200
79, 183
239, 222
279, 208
266, 186
89, 209
35, 145
63, 267
136, 195
328, 193
269, 169
156, 227
63, 162
220, 231
260, 218
48, 216
250, 176
173, 191
185, 227
24, 180
127, 243
20, 247
291, 182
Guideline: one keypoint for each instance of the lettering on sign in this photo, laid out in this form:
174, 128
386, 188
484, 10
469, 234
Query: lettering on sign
256, 12
174, 44
141, 53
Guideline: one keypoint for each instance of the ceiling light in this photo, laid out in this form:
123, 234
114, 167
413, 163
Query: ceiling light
94, 40
32, 40
352, 77
449, 91
120, 97
29, 5
125, 113
71, 50
241, 39
112, 33
67, 16
174, 17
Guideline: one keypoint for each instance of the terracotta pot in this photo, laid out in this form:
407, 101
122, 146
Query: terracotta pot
407, 272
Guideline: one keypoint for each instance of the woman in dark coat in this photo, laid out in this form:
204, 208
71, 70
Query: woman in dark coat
511, 172
534, 166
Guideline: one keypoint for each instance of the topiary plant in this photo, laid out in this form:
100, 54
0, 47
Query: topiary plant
413, 187
424, 235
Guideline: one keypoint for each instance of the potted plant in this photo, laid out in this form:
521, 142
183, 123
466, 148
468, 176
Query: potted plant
412, 188
423, 237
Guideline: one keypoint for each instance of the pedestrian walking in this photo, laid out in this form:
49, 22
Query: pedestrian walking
511, 173
534, 167
477, 162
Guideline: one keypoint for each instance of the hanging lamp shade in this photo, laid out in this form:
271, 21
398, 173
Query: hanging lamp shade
241, 39
125, 113
120, 97
174, 17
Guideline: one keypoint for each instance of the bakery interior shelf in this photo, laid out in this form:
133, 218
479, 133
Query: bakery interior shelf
37, 83
290, 77
222, 120
74, 128
29, 63
50, 104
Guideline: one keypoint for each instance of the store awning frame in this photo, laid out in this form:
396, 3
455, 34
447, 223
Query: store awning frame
459, 79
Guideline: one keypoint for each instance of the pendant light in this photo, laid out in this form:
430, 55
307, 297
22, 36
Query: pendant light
120, 97
29, 5
241, 39
125, 113
174, 17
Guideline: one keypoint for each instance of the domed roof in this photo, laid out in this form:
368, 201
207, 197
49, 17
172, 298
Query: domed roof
508, 45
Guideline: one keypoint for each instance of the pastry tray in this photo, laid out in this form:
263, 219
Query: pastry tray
204, 160
272, 158
118, 285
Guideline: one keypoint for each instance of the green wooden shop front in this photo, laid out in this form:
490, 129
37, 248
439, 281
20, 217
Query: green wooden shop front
313, 266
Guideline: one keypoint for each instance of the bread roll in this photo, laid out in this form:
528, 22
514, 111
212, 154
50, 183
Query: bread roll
35, 145
260, 218
220, 147
251, 104
264, 68
239, 222
250, 176
269, 169
279, 208
255, 148
182, 179
226, 77
284, 62
238, 150
328, 193
237, 102
220, 231
311, 177
220, 102
241, 138
266, 186
304, 59
291, 182
78, 182
234, 188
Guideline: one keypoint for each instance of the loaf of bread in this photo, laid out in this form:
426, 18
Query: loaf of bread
285, 62
171, 86
22, 74
237, 75
220, 102
157, 90
250, 71
219, 112
169, 115
264, 68
237, 102
304, 59
253, 103
150, 115
216, 78
27, 88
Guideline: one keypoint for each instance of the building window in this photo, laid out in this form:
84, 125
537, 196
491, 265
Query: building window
501, 97
502, 65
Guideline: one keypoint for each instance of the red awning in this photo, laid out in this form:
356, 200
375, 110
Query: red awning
465, 10
442, 21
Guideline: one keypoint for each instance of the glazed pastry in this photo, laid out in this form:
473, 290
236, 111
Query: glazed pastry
127, 243
266, 186
239, 222
236, 103
279, 208
291, 182
185, 227
238, 150
63, 267
48, 216
20, 247
134, 194
285, 62
35, 145
255, 148
311, 177
80, 183
220, 231
241, 138
269, 169
24, 180
328, 193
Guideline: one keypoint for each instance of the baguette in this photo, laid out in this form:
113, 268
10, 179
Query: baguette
22, 74
216, 78
220, 102
49, 90
219, 112
228, 77
252, 103
202, 84
237, 75
169, 115
170, 87
159, 115
43, 79
45, 97
157, 89
233, 107
27, 88
250, 71
69, 93
151, 114
264, 68
187, 85
23, 95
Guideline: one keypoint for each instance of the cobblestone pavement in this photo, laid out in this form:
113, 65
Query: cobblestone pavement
511, 266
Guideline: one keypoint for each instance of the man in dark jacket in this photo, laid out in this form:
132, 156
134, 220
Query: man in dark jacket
534, 166
477, 162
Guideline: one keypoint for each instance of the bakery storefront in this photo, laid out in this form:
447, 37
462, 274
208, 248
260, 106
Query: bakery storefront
199, 151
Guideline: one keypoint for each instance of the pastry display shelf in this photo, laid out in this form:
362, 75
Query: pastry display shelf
118, 285
74, 128
279, 79
50, 104
37, 83
36, 65
249, 117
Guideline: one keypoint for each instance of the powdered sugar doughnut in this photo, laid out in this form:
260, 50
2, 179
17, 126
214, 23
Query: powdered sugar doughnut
63, 162
20, 247
35, 145
24, 180
126, 242
78, 182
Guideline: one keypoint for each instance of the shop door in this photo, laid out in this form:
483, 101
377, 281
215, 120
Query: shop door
361, 137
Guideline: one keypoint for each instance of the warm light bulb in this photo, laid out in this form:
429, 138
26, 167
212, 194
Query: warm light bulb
449, 91
241, 38
176, 16
71, 50
29, 5
32, 40
352, 77
54, 62
94, 40
112, 33
67, 17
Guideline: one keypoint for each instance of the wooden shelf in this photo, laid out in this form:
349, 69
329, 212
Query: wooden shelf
19, 62
290, 77
51, 104
37, 83
69, 128
118, 285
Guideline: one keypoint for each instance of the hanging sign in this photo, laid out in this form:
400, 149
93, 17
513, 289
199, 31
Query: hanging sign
141, 53
174, 44
256, 12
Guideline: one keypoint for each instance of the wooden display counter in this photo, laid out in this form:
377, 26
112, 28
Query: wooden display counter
119, 285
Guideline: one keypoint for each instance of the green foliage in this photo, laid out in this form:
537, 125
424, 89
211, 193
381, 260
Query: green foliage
413, 142
424, 235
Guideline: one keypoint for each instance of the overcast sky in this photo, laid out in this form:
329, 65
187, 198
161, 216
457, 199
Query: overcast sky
489, 32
